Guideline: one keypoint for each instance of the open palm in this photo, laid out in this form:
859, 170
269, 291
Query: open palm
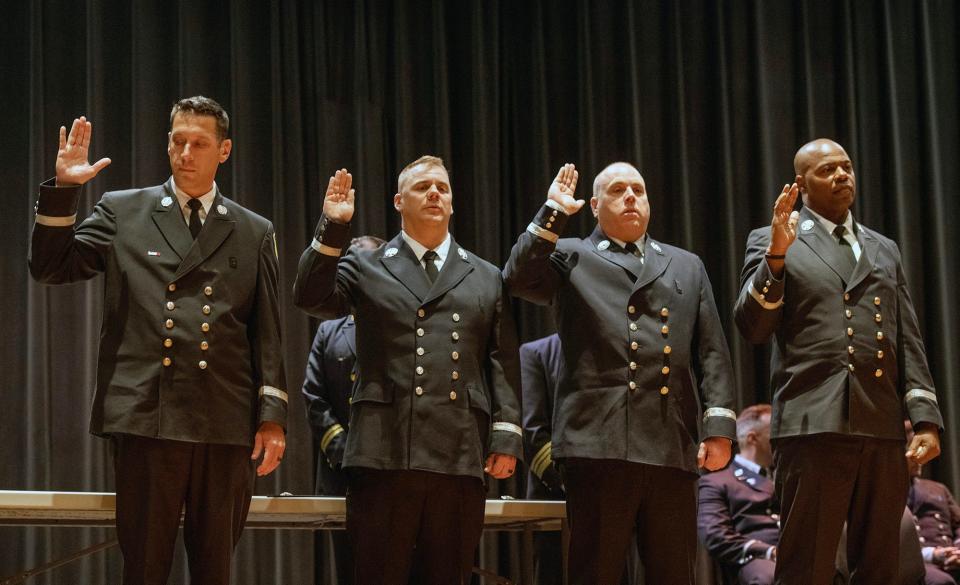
562, 188
73, 165
338, 200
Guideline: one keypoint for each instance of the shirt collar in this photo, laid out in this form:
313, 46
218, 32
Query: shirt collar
206, 199
847, 223
639, 243
419, 249
744, 462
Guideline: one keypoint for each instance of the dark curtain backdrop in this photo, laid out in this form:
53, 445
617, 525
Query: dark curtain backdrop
709, 98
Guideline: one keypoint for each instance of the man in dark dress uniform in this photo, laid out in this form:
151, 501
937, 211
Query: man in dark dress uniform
435, 404
190, 380
327, 385
848, 365
737, 516
643, 350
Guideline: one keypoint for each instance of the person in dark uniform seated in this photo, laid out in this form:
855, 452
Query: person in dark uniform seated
848, 364
190, 378
737, 518
643, 352
435, 405
541, 362
327, 385
937, 517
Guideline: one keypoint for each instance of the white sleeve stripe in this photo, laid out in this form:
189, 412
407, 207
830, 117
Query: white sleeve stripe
54, 221
542, 233
324, 249
918, 393
763, 302
509, 427
275, 392
554, 205
717, 411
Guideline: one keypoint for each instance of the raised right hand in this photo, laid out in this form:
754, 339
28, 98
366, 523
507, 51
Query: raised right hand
562, 188
783, 226
338, 201
73, 166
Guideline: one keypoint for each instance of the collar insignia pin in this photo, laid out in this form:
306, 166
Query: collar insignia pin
807, 225
390, 253
222, 209
166, 201
603, 245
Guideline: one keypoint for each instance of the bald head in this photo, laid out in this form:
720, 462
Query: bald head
620, 203
811, 152
603, 178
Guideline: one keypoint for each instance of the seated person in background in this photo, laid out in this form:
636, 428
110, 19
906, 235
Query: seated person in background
737, 518
938, 520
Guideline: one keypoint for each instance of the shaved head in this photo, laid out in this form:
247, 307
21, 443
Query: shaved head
602, 179
812, 152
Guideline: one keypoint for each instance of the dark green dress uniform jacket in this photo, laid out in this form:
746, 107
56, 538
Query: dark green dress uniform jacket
190, 341
847, 356
437, 368
643, 347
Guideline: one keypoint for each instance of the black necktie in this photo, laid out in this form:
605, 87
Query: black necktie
429, 265
846, 252
631, 248
195, 225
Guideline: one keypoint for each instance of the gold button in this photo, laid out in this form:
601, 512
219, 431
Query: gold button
350, 400
665, 370
203, 364
455, 355
420, 351
171, 306
204, 345
420, 370
849, 331
878, 373
453, 395
172, 287
850, 349
167, 361
419, 391
634, 345
878, 317
664, 330
206, 309
876, 301
456, 317
633, 385
421, 313
633, 327
419, 332
767, 283
205, 327
168, 342
850, 367
169, 324
667, 349
664, 390
633, 365
549, 225
353, 376
879, 335
846, 296
664, 312
848, 313
208, 290
455, 336
766, 290
880, 354
631, 309
455, 375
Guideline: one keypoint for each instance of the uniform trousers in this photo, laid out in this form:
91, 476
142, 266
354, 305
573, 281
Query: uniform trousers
332, 482
402, 523
608, 500
826, 479
155, 480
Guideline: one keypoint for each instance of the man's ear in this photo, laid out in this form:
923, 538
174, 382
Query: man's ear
594, 206
396, 202
225, 147
801, 184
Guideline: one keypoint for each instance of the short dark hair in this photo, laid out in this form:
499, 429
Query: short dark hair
199, 105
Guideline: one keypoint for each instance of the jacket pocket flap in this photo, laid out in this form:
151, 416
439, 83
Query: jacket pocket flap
479, 399
378, 392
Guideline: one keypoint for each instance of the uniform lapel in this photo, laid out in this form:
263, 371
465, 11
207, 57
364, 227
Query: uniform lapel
612, 252
455, 268
216, 228
655, 264
754, 481
169, 220
349, 333
868, 258
400, 261
814, 234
